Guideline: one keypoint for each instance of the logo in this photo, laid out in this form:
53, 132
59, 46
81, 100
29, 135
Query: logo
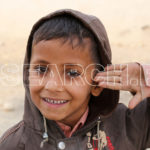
103, 142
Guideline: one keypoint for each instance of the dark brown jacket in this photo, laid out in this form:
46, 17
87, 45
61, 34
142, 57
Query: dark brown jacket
116, 126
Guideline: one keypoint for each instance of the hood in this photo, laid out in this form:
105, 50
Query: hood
105, 103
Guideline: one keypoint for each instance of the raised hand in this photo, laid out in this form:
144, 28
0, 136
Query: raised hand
128, 77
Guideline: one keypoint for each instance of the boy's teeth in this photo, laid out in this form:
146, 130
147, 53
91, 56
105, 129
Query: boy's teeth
55, 102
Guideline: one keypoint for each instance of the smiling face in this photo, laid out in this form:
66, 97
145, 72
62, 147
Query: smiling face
64, 90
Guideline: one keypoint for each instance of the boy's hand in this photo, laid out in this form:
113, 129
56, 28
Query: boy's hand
128, 77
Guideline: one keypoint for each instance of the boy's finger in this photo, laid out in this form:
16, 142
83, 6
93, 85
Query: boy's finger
115, 67
109, 73
135, 101
114, 86
111, 85
115, 79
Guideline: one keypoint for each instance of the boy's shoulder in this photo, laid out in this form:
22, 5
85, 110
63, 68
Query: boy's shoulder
10, 139
122, 108
118, 113
123, 117
123, 113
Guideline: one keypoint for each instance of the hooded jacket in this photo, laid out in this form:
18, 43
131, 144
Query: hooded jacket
109, 125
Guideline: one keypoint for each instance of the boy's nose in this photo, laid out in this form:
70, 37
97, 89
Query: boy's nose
54, 83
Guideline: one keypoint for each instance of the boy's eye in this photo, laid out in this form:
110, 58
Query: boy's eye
73, 73
41, 69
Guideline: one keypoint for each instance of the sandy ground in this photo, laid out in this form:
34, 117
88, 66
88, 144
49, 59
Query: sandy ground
127, 23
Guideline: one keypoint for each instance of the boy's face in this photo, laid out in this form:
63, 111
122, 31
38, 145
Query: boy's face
60, 79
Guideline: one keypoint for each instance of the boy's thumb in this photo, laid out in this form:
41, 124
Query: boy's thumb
137, 98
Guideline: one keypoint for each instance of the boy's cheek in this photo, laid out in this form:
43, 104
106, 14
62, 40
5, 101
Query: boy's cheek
35, 87
35, 81
88, 80
78, 89
76, 82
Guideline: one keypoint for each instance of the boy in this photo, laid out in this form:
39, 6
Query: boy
64, 107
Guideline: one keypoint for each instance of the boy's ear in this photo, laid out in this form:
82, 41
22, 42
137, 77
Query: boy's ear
96, 90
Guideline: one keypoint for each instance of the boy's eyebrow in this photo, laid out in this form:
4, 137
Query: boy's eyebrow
71, 64
41, 61
48, 63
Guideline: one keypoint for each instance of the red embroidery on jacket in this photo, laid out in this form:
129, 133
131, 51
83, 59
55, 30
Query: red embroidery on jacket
95, 143
110, 146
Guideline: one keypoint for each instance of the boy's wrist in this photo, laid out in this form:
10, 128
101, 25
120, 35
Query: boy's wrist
145, 92
146, 72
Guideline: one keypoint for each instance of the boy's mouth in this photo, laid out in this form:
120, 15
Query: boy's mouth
55, 102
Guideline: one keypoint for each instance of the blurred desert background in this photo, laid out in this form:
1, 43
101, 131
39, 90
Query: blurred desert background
127, 24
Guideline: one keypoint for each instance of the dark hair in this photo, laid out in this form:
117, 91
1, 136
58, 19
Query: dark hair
68, 28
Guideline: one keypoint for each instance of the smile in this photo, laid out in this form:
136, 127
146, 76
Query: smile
51, 101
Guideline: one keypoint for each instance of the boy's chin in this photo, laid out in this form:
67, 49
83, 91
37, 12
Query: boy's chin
54, 118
